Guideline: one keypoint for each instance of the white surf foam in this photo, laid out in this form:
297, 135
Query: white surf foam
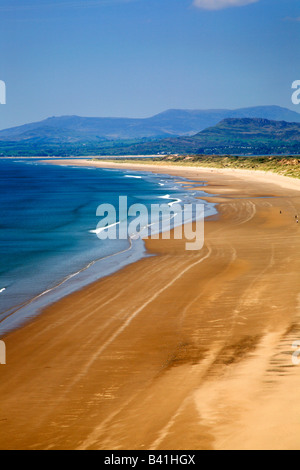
175, 201
99, 230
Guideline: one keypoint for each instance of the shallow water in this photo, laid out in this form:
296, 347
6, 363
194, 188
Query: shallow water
47, 229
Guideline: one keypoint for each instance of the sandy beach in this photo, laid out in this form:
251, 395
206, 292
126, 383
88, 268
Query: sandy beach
182, 350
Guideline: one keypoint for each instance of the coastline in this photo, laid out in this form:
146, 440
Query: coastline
96, 268
186, 171
178, 351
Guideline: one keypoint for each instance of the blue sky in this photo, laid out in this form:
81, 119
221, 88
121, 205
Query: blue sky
137, 58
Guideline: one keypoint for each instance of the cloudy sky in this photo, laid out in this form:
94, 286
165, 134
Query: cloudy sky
139, 57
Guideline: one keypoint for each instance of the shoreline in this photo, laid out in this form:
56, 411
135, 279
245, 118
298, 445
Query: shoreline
19, 315
264, 176
190, 349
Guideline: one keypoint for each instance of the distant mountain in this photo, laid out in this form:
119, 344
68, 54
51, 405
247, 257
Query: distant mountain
232, 136
71, 130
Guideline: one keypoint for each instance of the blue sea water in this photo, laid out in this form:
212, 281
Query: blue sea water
46, 218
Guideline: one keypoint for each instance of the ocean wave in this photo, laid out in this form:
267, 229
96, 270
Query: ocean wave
132, 176
175, 200
99, 230
2, 290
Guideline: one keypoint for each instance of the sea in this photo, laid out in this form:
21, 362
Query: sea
49, 246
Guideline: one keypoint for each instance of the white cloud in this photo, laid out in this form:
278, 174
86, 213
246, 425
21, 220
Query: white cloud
220, 4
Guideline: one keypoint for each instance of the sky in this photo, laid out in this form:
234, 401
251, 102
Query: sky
136, 58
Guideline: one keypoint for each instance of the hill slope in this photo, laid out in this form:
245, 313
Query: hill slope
75, 129
238, 136
233, 136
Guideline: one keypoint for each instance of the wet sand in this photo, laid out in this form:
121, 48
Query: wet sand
182, 350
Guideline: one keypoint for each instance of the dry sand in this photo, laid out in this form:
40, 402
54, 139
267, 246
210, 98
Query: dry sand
183, 350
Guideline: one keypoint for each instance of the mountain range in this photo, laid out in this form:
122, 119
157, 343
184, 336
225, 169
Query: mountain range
75, 129
265, 129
